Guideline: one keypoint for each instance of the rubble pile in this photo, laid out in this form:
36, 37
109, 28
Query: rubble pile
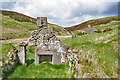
46, 41
73, 61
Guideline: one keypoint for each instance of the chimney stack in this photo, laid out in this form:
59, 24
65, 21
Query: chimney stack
41, 22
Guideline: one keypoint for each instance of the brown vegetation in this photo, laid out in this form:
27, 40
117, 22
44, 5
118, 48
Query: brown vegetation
92, 23
20, 17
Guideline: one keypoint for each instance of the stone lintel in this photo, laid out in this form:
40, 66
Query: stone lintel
46, 53
23, 44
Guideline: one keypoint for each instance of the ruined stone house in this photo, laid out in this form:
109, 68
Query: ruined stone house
90, 30
47, 46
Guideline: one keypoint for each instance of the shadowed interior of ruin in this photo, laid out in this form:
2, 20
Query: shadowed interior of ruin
44, 58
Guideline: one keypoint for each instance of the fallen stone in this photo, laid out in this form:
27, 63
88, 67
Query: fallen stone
75, 51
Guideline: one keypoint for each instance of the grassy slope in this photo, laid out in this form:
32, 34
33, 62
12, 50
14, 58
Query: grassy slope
44, 70
13, 28
100, 28
58, 30
98, 53
92, 22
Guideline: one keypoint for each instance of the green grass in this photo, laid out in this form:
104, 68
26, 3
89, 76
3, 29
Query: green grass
75, 32
103, 19
98, 53
7, 48
43, 70
17, 16
78, 32
15, 29
100, 58
112, 24
58, 30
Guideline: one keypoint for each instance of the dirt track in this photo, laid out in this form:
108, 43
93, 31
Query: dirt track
23, 39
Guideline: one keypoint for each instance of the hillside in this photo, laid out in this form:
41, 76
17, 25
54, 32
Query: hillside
98, 53
93, 22
16, 25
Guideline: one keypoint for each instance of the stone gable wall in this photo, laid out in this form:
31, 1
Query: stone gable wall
45, 43
90, 30
44, 40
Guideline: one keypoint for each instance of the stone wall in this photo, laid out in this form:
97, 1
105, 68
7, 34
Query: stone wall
90, 30
44, 40
0, 68
57, 58
22, 53
41, 22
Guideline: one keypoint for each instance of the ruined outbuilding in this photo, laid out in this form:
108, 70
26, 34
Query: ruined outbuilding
90, 30
47, 46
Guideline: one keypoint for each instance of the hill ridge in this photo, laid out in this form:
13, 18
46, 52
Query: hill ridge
17, 25
21, 14
92, 22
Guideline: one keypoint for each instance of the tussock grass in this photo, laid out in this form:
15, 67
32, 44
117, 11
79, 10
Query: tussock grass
98, 53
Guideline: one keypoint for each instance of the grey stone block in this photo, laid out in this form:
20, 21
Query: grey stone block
22, 53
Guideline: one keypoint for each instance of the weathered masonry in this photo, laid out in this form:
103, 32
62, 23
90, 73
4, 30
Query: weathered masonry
22, 53
90, 30
47, 46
